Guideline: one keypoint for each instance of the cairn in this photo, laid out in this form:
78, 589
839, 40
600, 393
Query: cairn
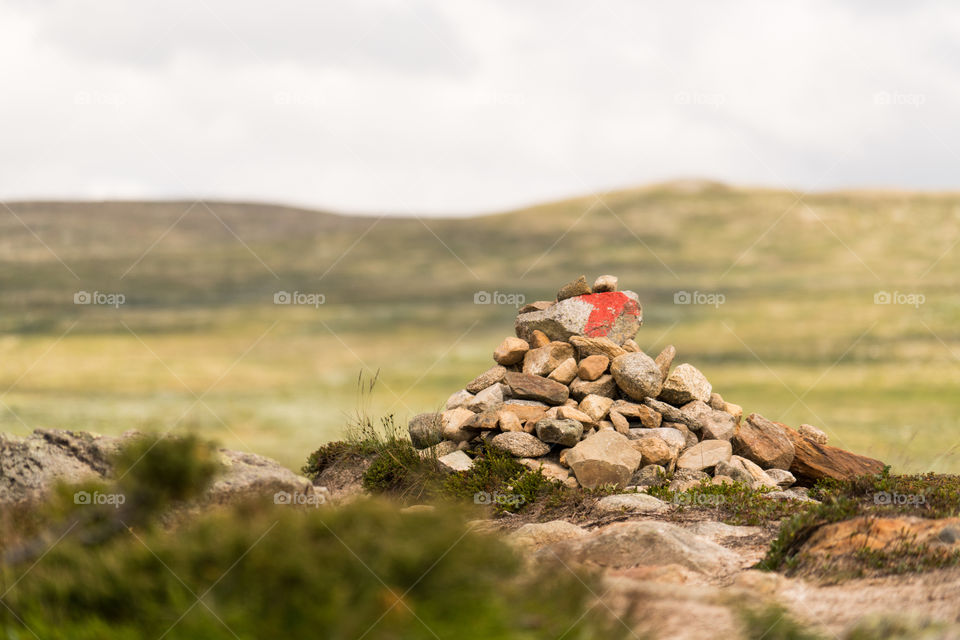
573, 395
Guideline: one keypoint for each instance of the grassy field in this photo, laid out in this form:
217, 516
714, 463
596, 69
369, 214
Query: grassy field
199, 344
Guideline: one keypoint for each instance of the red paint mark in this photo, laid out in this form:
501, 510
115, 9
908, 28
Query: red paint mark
607, 307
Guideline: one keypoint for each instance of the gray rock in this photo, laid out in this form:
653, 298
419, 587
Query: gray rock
669, 412
426, 429
491, 376
632, 502
790, 494
710, 423
520, 444
745, 472
637, 375
651, 475
782, 477
684, 479
606, 457
673, 437
685, 384
456, 461
576, 317
648, 418
439, 450
31, 466
458, 399
645, 543
489, 399
539, 534
811, 432
564, 432
705, 455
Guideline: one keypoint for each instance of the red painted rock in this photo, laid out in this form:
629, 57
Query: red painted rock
616, 315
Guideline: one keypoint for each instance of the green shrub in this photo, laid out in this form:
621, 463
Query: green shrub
366, 570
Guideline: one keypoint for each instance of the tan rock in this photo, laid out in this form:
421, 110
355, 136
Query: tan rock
648, 418
631, 346
597, 407
621, 424
705, 455
565, 372
655, 451
550, 470
577, 287
572, 413
733, 409
453, 421
605, 386
665, 360
596, 347
542, 360
605, 283
592, 367
510, 351
605, 457
637, 375
510, 422
538, 339
525, 409
532, 387
489, 377
539, 305
763, 442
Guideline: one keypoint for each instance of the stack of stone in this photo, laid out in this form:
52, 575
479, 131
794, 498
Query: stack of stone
574, 396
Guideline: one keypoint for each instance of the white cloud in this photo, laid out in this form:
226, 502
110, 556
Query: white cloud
446, 107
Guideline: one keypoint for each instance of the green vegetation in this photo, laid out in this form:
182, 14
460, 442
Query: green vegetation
773, 622
798, 339
259, 570
734, 503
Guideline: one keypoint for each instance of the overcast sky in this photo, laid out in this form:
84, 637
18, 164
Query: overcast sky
461, 106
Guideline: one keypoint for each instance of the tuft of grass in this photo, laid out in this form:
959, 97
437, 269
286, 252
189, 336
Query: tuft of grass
774, 622
501, 481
